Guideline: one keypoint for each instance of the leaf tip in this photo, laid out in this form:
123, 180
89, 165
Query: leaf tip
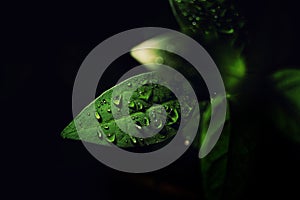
70, 132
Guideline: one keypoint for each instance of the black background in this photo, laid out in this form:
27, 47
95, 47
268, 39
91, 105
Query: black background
43, 45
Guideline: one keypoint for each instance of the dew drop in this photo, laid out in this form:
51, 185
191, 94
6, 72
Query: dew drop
99, 134
106, 127
97, 115
153, 115
109, 110
146, 121
133, 139
138, 127
139, 106
158, 123
194, 23
173, 116
129, 84
145, 95
131, 104
117, 100
111, 137
162, 136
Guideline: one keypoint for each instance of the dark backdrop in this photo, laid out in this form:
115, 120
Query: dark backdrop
43, 45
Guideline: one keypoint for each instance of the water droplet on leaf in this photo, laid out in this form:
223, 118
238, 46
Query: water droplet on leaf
146, 121
117, 100
158, 123
97, 115
186, 142
145, 94
173, 116
138, 127
99, 134
139, 106
133, 139
111, 137
106, 127
162, 136
131, 104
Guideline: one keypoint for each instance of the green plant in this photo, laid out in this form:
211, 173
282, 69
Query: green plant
220, 28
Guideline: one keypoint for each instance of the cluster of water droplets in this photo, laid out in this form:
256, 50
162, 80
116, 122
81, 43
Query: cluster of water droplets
209, 16
152, 118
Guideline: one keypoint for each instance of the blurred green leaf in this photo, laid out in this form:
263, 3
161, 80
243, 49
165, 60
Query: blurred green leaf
214, 165
286, 103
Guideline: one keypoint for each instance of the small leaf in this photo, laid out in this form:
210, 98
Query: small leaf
286, 103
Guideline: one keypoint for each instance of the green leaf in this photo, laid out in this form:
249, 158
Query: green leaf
214, 165
207, 19
97, 124
219, 27
286, 103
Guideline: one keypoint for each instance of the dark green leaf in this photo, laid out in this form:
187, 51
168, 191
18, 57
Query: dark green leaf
219, 27
96, 123
286, 104
207, 19
214, 165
